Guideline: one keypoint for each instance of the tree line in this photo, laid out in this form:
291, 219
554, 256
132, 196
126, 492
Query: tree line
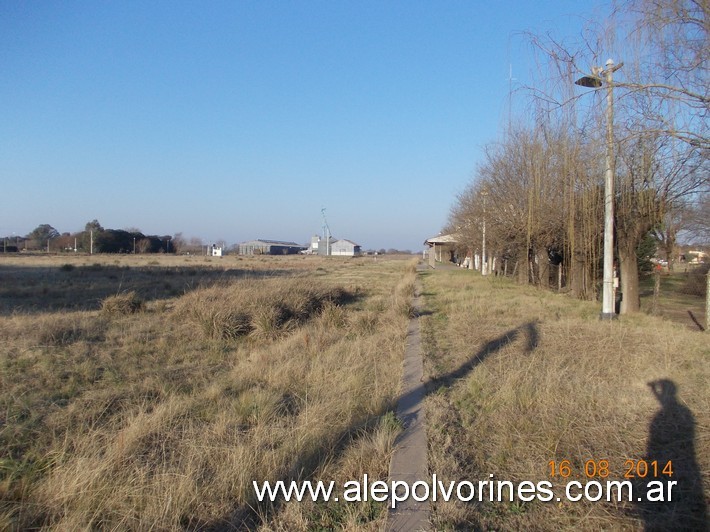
539, 191
97, 239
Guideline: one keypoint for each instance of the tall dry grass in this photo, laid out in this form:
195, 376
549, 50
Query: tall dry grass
161, 419
520, 377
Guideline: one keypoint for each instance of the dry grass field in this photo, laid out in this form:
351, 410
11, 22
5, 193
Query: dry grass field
147, 392
519, 377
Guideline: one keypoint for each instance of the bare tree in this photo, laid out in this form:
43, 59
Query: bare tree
143, 245
661, 109
178, 243
696, 226
674, 38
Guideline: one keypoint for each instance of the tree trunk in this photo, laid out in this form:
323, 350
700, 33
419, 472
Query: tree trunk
669, 244
628, 266
576, 274
543, 268
523, 266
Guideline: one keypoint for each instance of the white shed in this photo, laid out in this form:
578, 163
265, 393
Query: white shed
345, 248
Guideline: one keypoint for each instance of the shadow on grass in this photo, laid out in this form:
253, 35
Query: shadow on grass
695, 320
671, 440
528, 329
32, 290
246, 518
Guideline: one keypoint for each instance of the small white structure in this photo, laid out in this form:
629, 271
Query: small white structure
313, 248
319, 245
345, 248
216, 252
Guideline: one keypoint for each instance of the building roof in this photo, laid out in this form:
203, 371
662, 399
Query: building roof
443, 239
348, 241
274, 242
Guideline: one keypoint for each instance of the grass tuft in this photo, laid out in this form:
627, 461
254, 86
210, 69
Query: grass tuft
121, 304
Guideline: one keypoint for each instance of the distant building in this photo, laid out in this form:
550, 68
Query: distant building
346, 248
216, 251
313, 248
442, 248
269, 247
319, 246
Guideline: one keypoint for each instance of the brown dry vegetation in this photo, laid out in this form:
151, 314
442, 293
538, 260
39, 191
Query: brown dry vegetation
521, 376
148, 393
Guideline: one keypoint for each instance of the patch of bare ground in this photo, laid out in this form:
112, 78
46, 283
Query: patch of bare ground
159, 411
520, 377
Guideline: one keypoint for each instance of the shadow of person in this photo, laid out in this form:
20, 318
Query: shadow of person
671, 439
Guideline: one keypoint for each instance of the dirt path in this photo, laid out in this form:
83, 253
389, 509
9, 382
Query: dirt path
409, 462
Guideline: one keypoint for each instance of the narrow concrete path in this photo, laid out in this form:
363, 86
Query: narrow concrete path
409, 462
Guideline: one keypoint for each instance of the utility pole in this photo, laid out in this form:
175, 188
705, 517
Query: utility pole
608, 303
91, 243
595, 81
326, 233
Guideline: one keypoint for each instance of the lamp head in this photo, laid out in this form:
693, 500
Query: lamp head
589, 81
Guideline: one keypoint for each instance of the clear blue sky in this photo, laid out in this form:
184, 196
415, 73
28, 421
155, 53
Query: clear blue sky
242, 119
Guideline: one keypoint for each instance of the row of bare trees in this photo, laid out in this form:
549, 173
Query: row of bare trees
539, 190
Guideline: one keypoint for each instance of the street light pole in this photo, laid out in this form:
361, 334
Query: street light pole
608, 303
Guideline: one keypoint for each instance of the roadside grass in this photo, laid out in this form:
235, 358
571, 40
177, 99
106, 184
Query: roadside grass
159, 411
519, 377
681, 296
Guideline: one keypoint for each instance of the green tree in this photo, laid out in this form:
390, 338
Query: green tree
94, 226
41, 234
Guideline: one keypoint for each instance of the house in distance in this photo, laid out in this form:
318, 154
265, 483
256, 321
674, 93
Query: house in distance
333, 247
318, 246
345, 248
269, 247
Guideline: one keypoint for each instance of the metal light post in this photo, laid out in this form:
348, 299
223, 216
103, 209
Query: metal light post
595, 81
